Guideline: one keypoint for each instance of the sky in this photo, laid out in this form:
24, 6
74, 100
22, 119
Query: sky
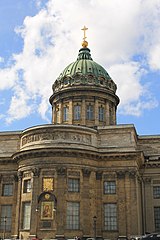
39, 38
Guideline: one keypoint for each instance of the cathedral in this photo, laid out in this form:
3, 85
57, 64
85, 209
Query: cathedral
82, 175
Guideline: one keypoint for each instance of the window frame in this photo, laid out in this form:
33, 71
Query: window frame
101, 113
90, 112
7, 192
27, 188
110, 217
156, 192
73, 216
26, 220
110, 189
65, 113
6, 218
73, 185
157, 218
77, 112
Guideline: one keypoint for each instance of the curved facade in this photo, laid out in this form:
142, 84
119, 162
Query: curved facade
82, 175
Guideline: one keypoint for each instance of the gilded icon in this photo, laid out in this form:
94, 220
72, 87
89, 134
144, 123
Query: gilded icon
47, 210
47, 184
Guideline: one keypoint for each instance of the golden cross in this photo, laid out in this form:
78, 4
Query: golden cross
84, 29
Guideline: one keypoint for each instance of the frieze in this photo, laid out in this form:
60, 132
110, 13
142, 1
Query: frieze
74, 173
48, 173
109, 176
58, 135
81, 79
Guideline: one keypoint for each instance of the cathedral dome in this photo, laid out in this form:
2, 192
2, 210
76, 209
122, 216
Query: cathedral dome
84, 71
84, 93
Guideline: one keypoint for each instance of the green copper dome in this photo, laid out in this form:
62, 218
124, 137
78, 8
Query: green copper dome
85, 65
84, 71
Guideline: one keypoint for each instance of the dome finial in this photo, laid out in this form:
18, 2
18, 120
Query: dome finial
84, 43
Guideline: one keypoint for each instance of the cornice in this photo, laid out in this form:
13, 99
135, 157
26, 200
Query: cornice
50, 152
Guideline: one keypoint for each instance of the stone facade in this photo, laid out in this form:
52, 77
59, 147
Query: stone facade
81, 177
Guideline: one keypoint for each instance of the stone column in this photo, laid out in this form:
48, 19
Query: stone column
60, 112
70, 120
107, 113
99, 223
122, 218
114, 114
53, 113
85, 208
83, 111
148, 205
34, 206
96, 112
18, 206
61, 202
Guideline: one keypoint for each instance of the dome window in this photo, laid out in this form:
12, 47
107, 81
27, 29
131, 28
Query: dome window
77, 112
101, 113
65, 113
89, 112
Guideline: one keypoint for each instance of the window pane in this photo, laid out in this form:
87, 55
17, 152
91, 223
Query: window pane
73, 215
6, 214
26, 215
65, 113
110, 216
77, 112
7, 190
109, 187
157, 218
89, 112
27, 186
73, 185
101, 114
156, 191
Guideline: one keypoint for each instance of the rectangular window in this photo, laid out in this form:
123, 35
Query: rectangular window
109, 187
73, 215
73, 185
26, 215
77, 112
156, 191
101, 114
89, 114
7, 190
27, 186
157, 218
110, 216
6, 215
65, 113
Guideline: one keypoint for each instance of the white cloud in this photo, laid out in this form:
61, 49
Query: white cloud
1, 59
118, 30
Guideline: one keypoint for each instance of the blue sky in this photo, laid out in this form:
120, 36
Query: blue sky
39, 38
